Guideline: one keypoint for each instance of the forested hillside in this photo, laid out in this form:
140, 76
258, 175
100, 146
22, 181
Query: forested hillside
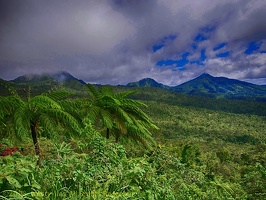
115, 143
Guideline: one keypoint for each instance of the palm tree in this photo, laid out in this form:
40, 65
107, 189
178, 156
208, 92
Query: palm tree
120, 115
24, 117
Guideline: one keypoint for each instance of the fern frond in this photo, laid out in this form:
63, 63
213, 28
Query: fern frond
58, 94
93, 92
9, 104
106, 90
120, 126
93, 113
43, 102
108, 102
131, 102
21, 120
137, 113
140, 135
65, 119
49, 125
122, 114
106, 118
75, 108
124, 95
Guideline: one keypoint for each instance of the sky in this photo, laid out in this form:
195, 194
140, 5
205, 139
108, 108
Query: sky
121, 41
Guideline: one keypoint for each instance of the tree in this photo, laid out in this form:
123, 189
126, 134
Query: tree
120, 115
23, 118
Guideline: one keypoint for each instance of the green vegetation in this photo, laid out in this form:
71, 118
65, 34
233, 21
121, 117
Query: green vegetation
120, 115
23, 117
200, 151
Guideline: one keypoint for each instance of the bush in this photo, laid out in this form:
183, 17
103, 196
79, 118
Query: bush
5, 150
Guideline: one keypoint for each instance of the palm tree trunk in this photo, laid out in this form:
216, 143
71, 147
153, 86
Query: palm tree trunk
107, 133
35, 141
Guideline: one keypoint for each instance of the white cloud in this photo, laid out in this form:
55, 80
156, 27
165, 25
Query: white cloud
111, 41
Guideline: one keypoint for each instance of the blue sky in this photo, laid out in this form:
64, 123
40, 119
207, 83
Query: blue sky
120, 41
220, 52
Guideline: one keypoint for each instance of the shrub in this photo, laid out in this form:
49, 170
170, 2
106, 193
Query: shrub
5, 150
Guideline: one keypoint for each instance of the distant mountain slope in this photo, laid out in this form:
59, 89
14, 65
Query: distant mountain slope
220, 87
148, 82
39, 83
204, 85
209, 86
58, 77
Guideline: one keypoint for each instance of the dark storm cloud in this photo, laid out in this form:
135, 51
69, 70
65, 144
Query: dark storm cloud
111, 41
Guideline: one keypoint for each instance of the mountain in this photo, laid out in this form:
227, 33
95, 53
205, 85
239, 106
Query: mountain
57, 77
209, 86
148, 82
204, 85
39, 83
220, 87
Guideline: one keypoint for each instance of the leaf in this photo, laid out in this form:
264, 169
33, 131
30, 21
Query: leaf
13, 182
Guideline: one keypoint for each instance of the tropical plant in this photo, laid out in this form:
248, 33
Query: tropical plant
21, 118
120, 115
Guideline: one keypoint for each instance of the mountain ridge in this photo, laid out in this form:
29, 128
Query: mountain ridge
60, 76
203, 85
148, 82
209, 86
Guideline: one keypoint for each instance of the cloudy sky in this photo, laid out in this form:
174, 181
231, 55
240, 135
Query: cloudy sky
120, 41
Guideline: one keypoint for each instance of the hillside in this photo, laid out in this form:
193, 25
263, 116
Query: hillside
39, 83
150, 90
37, 78
220, 87
148, 82
206, 148
209, 86
177, 99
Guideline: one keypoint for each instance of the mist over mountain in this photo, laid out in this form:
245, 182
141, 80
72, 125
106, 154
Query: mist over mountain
58, 77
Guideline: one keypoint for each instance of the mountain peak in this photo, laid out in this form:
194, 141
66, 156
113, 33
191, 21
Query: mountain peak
60, 76
147, 82
219, 87
205, 75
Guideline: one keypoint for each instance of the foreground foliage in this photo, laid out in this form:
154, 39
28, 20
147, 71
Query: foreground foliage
121, 116
105, 172
23, 118
201, 154
95, 168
